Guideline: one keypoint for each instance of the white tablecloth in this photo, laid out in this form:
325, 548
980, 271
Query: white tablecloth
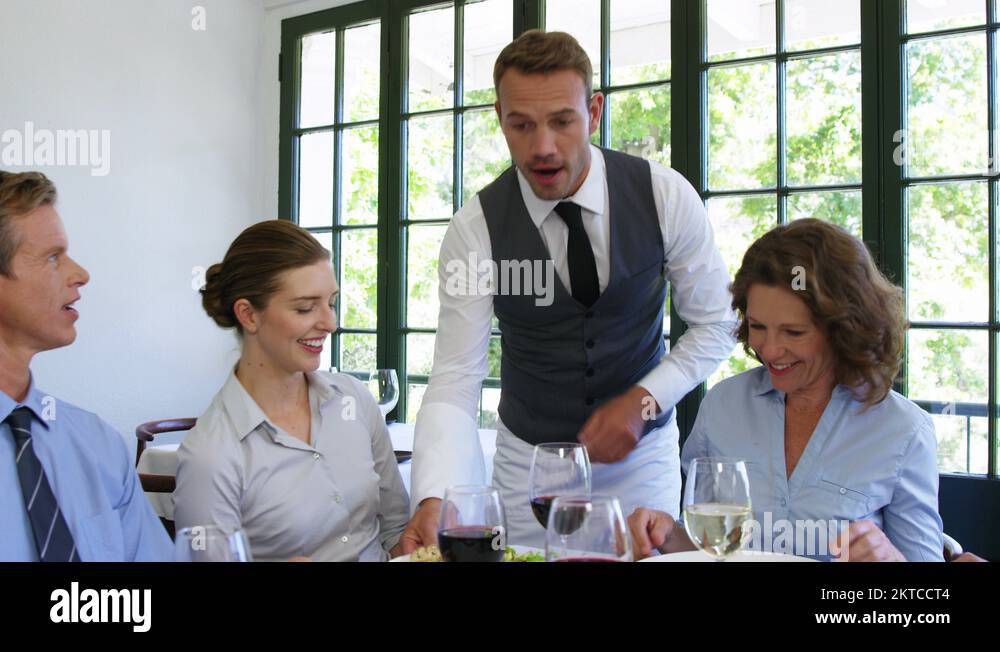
163, 460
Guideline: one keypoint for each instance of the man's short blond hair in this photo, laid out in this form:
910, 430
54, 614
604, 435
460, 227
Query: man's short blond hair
538, 52
19, 195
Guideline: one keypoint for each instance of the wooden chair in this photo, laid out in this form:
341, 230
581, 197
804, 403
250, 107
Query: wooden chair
153, 482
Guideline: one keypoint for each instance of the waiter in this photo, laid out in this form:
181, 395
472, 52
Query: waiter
583, 351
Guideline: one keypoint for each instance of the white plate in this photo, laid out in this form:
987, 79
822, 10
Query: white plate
742, 556
520, 550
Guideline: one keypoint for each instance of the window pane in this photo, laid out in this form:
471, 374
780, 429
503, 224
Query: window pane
582, 19
947, 106
493, 358
414, 397
963, 444
949, 252
640, 41
824, 120
432, 59
484, 151
319, 54
948, 365
359, 180
429, 168
930, 15
359, 275
811, 24
640, 123
740, 28
316, 179
488, 29
357, 352
326, 358
419, 354
489, 413
423, 246
742, 127
738, 222
842, 208
361, 72
737, 363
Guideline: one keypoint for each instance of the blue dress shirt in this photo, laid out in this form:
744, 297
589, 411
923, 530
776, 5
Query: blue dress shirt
92, 477
878, 464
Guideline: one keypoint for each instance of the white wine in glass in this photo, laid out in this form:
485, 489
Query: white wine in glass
717, 506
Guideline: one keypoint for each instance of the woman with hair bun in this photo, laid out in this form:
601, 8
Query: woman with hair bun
825, 438
299, 458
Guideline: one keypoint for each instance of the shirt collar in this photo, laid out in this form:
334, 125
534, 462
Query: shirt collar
34, 401
247, 416
590, 196
763, 385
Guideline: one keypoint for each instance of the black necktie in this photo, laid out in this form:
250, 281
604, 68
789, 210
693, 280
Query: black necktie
579, 255
52, 535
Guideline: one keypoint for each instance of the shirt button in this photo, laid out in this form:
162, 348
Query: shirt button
843, 491
337, 498
590, 344
589, 401
590, 314
590, 373
344, 538
315, 456
784, 502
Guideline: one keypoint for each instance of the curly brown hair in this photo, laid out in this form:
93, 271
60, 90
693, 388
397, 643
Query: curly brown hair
860, 311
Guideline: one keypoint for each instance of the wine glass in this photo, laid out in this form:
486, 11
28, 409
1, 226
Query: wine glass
211, 543
584, 528
557, 470
717, 506
473, 525
384, 384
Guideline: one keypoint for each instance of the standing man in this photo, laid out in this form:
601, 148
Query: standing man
583, 359
68, 491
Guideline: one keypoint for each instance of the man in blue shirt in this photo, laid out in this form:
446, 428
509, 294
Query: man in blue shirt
68, 491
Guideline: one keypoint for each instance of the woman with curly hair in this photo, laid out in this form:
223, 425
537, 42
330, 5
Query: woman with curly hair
825, 438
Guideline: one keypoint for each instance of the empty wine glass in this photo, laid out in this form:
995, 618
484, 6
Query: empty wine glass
384, 384
590, 529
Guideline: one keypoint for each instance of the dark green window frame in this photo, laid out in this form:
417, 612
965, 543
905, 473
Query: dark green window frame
883, 183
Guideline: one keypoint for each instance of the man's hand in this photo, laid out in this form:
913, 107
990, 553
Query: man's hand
649, 529
422, 528
614, 429
865, 542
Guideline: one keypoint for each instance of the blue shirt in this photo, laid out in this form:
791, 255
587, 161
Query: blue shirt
90, 471
878, 464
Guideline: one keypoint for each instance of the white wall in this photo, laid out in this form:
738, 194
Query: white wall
269, 90
185, 179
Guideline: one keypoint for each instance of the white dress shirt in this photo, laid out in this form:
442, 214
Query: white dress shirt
446, 448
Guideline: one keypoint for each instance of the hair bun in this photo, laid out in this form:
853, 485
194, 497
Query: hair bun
211, 299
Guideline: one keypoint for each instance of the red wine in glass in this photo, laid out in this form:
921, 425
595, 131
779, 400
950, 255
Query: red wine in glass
469, 544
540, 508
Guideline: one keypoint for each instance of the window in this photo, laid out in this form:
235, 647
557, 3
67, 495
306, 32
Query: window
945, 148
762, 104
783, 122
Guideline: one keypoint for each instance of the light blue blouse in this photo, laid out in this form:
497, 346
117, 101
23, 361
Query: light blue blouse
878, 465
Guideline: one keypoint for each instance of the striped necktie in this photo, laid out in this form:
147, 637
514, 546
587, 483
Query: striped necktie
52, 535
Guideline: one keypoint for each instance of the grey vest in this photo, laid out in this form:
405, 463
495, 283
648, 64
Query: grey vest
562, 361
